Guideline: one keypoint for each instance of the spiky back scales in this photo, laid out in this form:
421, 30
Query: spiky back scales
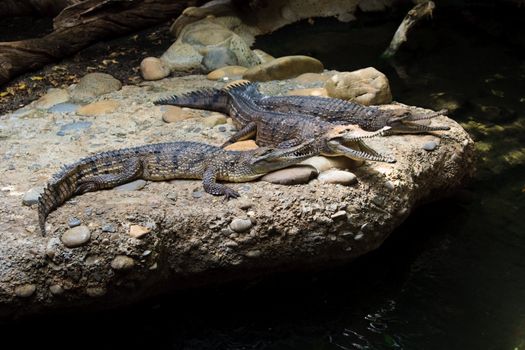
208, 99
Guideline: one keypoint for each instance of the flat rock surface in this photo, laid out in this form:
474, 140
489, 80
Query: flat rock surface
190, 241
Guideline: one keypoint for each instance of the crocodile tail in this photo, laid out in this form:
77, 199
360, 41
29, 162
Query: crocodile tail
60, 189
208, 99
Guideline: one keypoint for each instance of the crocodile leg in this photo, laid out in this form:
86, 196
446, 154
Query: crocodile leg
132, 170
246, 132
211, 186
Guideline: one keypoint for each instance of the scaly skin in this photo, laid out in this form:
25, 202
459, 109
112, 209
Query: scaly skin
333, 110
166, 161
277, 129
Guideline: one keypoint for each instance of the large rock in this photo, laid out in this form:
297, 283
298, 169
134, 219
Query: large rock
182, 57
93, 85
366, 86
170, 234
284, 68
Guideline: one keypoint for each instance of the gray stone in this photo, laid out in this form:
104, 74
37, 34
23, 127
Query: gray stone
25, 290
219, 57
182, 57
291, 176
31, 197
73, 127
197, 194
76, 236
64, 108
122, 262
132, 186
93, 85
334, 176
430, 146
109, 228
240, 225
73, 222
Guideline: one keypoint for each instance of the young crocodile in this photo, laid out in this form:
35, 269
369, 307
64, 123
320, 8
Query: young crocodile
281, 130
166, 161
333, 110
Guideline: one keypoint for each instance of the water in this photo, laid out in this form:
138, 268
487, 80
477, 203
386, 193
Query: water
451, 277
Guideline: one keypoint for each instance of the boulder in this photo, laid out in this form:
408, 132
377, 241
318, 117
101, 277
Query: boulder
170, 234
366, 86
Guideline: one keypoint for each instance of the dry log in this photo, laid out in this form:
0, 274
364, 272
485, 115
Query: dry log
82, 24
413, 16
33, 7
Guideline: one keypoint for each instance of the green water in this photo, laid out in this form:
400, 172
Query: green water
451, 277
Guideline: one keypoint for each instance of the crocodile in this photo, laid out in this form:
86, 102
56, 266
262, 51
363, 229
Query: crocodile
166, 161
281, 130
334, 110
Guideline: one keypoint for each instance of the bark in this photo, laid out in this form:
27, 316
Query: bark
82, 24
33, 7
413, 16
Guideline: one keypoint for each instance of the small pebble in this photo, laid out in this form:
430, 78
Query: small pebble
172, 196
73, 222
214, 119
56, 289
109, 228
31, 197
122, 262
25, 290
339, 214
76, 236
197, 194
137, 231
337, 177
291, 176
358, 236
132, 186
95, 292
430, 146
175, 114
98, 108
244, 203
240, 225
153, 68
253, 253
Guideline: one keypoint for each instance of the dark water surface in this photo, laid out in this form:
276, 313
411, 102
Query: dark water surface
451, 277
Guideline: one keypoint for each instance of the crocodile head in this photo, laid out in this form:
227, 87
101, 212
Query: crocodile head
406, 122
249, 165
347, 140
